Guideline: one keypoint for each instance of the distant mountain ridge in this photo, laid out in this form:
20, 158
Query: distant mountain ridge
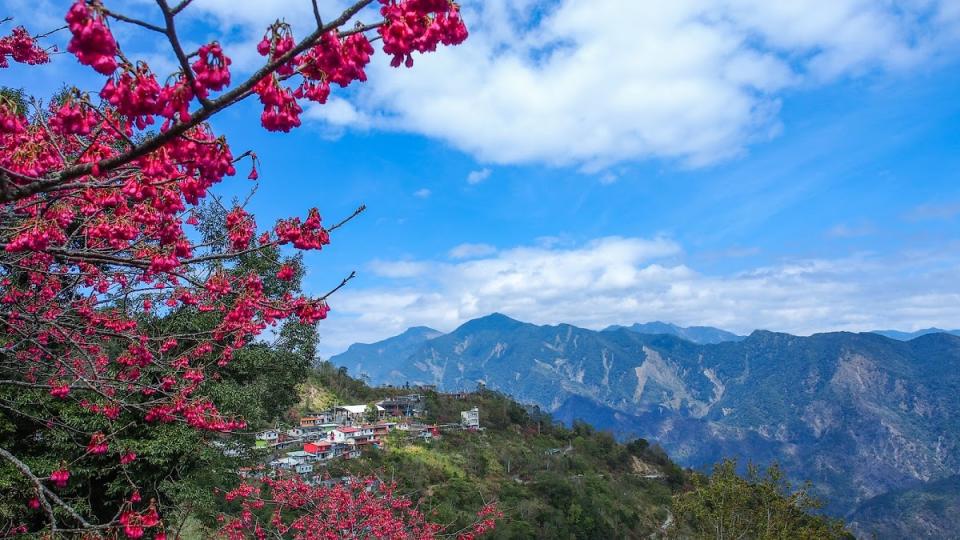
373, 360
696, 334
858, 414
907, 336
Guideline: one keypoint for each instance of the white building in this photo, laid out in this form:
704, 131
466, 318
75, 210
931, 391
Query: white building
342, 434
470, 419
270, 436
357, 413
284, 463
301, 456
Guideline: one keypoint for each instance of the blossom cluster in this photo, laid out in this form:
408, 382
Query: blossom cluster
360, 508
409, 26
92, 41
134, 523
419, 26
22, 48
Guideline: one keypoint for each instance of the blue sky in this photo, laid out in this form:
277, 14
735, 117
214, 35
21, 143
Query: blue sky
743, 165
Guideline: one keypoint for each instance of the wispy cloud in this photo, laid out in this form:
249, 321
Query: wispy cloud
469, 251
854, 230
475, 177
934, 212
422, 193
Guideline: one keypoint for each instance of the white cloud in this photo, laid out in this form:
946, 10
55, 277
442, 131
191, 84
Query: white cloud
470, 251
475, 177
422, 193
338, 112
591, 83
595, 82
623, 280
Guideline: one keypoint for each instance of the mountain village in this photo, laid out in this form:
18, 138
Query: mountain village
345, 431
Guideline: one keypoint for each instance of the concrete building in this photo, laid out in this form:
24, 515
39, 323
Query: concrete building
470, 419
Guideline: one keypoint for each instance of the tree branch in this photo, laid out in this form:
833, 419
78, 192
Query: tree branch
342, 284
131, 20
198, 117
171, 33
37, 484
344, 221
316, 14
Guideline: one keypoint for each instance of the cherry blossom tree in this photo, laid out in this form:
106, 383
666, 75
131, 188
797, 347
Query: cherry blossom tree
99, 195
357, 509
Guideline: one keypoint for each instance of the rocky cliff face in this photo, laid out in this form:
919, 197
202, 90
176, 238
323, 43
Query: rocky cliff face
858, 414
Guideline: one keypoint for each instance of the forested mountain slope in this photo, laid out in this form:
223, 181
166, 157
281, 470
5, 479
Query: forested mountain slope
858, 414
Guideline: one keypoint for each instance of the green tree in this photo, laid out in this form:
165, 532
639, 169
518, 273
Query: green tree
371, 414
761, 505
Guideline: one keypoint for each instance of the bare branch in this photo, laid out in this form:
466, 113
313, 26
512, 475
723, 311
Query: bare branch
171, 33
316, 14
181, 6
342, 284
23, 468
343, 222
131, 20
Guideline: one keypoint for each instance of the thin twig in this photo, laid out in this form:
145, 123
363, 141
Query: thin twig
316, 14
343, 222
131, 20
342, 284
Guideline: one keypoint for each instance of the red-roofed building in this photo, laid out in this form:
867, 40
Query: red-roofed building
341, 434
322, 449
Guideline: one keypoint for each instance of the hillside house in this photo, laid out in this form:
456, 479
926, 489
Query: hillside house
322, 450
318, 432
341, 434
429, 432
311, 433
285, 463
270, 436
302, 456
285, 441
470, 419
356, 413
316, 419
410, 405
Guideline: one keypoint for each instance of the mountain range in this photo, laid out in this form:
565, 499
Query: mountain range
860, 415
907, 336
696, 334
